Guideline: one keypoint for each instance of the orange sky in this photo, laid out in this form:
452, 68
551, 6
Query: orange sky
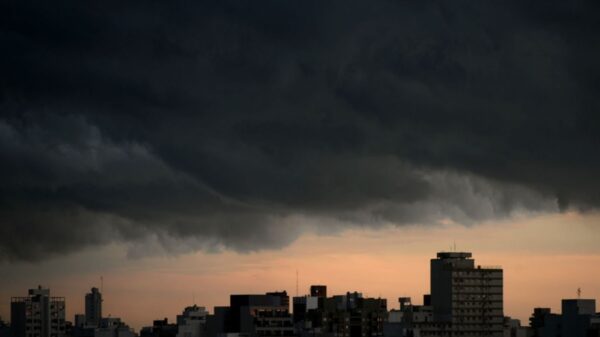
545, 258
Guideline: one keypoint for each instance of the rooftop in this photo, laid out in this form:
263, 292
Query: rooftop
454, 255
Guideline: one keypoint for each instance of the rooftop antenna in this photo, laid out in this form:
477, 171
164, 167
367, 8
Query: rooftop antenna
454, 246
193, 298
101, 284
579, 293
296, 282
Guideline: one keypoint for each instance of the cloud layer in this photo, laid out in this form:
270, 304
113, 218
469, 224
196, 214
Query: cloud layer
243, 124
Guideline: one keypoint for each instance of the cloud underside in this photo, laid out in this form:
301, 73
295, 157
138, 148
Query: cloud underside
242, 125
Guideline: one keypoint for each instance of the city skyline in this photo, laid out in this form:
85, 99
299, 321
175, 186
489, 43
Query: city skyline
129, 292
465, 298
187, 150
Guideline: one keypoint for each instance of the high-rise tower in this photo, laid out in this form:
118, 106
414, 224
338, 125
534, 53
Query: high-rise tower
467, 299
93, 308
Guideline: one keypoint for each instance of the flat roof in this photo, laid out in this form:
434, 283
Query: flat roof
454, 255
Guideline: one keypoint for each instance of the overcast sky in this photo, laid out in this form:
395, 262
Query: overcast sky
203, 129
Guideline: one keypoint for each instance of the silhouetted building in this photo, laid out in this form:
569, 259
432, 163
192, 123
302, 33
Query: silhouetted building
552, 325
87, 325
308, 312
411, 320
38, 315
352, 315
283, 296
93, 308
576, 316
427, 300
537, 319
578, 319
318, 291
349, 315
192, 322
252, 316
79, 320
594, 329
160, 328
80, 329
260, 315
513, 328
468, 299
113, 327
216, 324
4, 329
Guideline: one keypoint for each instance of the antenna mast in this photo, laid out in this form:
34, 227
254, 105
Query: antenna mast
296, 282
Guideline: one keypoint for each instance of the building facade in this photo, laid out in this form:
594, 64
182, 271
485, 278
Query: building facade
192, 322
349, 315
252, 316
38, 315
467, 300
261, 315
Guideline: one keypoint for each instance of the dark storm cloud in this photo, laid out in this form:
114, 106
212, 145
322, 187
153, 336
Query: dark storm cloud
242, 124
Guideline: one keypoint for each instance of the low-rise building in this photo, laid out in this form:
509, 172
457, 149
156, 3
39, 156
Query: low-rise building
252, 316
513, 328
160, 328
113, 327
4, 329
349, 315
577, 319
192, 322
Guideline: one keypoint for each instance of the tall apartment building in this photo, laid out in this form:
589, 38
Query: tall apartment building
467, 300
38, 315
93, 308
